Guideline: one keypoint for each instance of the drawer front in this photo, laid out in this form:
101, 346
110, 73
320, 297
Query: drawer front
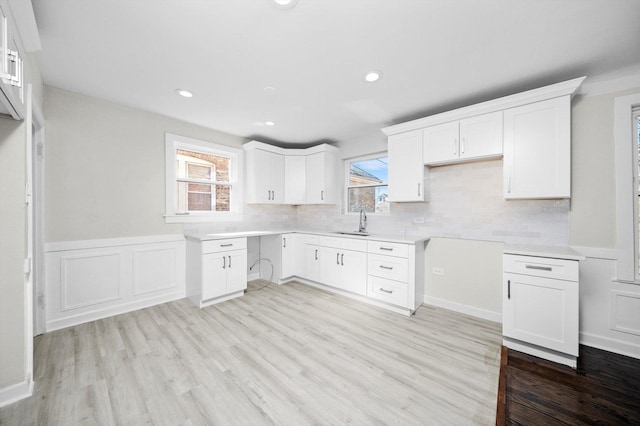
545, 267
215, 246
389, 249
312, 239
344, 243
393, 268
388, 291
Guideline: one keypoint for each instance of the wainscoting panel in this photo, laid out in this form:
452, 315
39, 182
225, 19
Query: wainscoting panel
89, 280
625, 312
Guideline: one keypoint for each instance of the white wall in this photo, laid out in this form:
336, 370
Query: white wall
13, 135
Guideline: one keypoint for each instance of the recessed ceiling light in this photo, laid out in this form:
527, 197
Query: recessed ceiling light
372, 76
185, 93
269, 123
285, 4
270, 90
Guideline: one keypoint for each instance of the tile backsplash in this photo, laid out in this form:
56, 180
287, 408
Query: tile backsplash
466, 202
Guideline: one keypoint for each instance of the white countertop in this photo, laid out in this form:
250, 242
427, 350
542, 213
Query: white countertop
553, 252
259, 233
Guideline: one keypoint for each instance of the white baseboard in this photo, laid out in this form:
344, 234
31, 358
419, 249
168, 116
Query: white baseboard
610, 345
253, 276
16, 392
110, 311
463, 309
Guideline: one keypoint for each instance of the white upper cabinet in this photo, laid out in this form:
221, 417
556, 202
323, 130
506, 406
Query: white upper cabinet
406, 168
469, 139
295, 167
537, 150
11, 67
321, 178
290, 176
265, 176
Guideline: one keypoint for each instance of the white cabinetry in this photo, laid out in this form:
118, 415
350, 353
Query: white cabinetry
537, 150
473, 138
295, 179
216, 270
406, 168
265, 175
321, 178
293, 259
313, 263
276, 175
11, 66
540, 306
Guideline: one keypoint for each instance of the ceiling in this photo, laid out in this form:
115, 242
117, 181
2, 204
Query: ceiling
434, 55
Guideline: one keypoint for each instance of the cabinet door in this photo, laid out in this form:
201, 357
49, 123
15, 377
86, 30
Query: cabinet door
293, 251
313, 263
214, 275
321, 178
406, 167
541, 311
440, 143
236, 268
295, 179
537, 150
352, 272
268, 177
331, 267
481, 136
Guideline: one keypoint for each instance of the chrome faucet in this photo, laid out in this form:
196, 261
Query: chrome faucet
363, 221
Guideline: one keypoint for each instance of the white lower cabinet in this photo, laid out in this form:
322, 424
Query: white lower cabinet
216, 270
386, 274
345, 269
540, 307
292, 255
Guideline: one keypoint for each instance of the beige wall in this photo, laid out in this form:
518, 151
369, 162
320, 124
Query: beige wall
472, 272
593, 210
105, 168
13, 136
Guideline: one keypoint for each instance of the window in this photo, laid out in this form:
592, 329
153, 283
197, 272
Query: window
627, 147
366, 187
201, 180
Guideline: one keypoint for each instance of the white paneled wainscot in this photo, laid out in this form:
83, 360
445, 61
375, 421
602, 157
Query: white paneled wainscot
92, 279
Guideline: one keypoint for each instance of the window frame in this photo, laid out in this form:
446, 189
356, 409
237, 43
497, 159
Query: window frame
175, 142
347, 174
626, 170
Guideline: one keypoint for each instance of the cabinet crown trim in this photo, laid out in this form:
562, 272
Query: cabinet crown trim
564, 88
289, 151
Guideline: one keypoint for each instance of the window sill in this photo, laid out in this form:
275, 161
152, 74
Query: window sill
185, 218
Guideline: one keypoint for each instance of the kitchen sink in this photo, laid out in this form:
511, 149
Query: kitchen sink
357, 233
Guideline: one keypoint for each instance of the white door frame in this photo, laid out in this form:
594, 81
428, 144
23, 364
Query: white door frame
36, 141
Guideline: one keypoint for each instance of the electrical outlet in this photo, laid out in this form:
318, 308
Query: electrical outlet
438, 271
419, 219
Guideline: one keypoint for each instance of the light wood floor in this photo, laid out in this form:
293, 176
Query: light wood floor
286, 355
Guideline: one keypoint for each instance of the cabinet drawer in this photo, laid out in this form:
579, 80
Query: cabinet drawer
388, 249
214, 246
312, 239
545, 267
387, 291
343, 243
393, 268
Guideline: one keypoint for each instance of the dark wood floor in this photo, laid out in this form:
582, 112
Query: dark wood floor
605, 389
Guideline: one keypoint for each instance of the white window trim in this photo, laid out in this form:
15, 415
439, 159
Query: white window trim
626, 162
346, 185
174, 142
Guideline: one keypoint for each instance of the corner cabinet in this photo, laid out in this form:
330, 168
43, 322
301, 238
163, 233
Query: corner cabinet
292, 259
537, 150
216, 270
277, 175
540, 305
406, 183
